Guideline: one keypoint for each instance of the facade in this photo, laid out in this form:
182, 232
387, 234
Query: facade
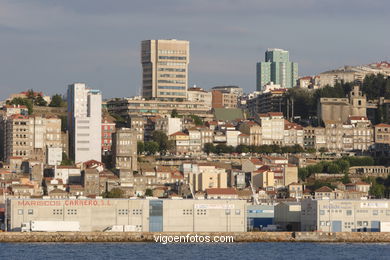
144, 215
344, 215
168, 125
165, 68
278, 69
288, 216
272, 127
271, 101
108, 128
339, 109
128, 107
84, 123
200, 95
125, 149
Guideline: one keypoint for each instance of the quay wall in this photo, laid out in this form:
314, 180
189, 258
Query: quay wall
350, 237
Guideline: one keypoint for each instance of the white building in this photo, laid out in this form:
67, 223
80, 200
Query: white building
84, 123
168, 125
54, 155
272, 125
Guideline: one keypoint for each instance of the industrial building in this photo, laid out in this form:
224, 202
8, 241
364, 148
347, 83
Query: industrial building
344, 215
145, 215
260, 216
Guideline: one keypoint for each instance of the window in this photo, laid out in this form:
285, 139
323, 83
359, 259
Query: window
375, 212
57, 211
349, 212
322, 212
30, 212
187, 211
238, 212
137, 211
123, 212
201, 212
72, 211
20, 212
359, 223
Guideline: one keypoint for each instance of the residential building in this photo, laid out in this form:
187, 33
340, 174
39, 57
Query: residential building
127, 107
200, 95
278, 69
84, 123
137, 123
221, 193
108, 129
224, 99
272, 127
271, 101
165, 68
168, 124
252, 130
125, 149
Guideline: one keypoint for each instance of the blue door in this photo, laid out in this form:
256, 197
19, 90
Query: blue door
336, 226
374, 226
155, 216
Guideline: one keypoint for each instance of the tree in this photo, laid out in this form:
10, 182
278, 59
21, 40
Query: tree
174, 113
323, 150
197, 120
57, 101
23, 102
148, 193
114, 193
39, 101
151, 147
140, 147
162, 140
346, 179
209, 148
242, 148
65, 160
377, 190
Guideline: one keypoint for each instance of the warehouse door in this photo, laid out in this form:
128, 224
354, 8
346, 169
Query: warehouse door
336, 226
156, 216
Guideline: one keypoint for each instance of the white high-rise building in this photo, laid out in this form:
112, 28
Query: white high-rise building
84, 123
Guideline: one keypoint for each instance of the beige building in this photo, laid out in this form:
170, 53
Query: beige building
125, 149
207, 176
200, 95
143, 215
253, 131
344, 215
340, 109
272, 127
165, 68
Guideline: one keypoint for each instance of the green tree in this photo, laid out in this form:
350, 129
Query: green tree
57, 101
197, 120
39, 101
23, 102
377, 190
174, 113
242, 149
151, 147
323, 150
149, 193
346, 179
140, 147
162, 140
209, 148
65, 160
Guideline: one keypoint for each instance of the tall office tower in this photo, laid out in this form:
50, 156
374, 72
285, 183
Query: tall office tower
278, 69
165, 69
84, 123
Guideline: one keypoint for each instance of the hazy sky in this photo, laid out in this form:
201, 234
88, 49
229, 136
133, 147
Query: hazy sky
48, 44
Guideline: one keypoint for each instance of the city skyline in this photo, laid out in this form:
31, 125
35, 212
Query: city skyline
50, 44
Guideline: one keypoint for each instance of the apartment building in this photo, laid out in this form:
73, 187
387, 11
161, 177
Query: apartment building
84, 123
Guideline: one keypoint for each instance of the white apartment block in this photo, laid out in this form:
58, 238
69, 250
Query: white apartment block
84, 123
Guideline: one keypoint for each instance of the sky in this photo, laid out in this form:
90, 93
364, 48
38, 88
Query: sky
46, 45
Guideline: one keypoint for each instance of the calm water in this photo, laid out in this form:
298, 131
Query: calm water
193, 251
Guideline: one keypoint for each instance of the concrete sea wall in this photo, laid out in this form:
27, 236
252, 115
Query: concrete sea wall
238, 237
